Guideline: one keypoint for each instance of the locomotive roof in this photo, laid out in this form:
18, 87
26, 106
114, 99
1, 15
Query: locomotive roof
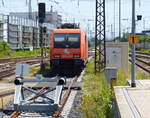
67, 30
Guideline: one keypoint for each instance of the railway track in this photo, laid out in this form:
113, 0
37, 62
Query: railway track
142, 67
64, 99
15, 60
55, 114
142, 61
8, 69
143, 53
16, 114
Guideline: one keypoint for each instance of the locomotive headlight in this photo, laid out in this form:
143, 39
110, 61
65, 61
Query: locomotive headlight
57, 56
76, 56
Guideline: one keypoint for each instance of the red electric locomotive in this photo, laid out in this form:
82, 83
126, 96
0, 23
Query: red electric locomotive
68, 48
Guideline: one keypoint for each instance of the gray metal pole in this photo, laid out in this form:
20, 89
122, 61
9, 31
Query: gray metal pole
41, 46
114, 19
8, 21
133, 84
30, 10
112, 31
144, 24
119, 19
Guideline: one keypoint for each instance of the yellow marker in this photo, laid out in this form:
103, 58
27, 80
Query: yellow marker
133, 39
113, 83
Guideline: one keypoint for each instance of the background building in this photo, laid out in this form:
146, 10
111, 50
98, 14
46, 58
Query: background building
23, 33
51, 17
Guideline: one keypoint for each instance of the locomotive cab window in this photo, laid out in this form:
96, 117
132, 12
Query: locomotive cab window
74, 40
70, 40
59, 40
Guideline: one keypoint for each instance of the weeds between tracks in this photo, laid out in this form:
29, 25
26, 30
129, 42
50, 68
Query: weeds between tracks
97, 96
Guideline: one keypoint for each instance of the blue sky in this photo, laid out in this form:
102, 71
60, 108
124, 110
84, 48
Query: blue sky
83, 11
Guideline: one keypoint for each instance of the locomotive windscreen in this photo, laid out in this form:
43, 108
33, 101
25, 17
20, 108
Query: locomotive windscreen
67, 40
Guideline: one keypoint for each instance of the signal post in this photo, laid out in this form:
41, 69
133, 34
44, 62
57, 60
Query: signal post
41, 16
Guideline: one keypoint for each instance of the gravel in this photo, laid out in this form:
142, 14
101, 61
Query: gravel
75, 110
72, 111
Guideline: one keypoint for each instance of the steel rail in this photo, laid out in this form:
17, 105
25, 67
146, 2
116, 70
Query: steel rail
11, 70
15, 114
62, 102
18, 59
142, 61
147, 63
145, 69
144, 53
7, 73
64, 99
7, 92
141, 56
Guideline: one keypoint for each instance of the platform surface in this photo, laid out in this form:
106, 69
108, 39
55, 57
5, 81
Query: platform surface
141, 83
133, 102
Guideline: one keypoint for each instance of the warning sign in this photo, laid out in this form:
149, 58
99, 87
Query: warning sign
133, 39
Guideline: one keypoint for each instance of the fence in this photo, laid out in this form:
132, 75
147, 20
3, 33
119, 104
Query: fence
143, 45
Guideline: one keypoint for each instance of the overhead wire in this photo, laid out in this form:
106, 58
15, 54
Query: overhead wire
78, 13
26, 2
3, 2
139, 3
60, 6
58, 3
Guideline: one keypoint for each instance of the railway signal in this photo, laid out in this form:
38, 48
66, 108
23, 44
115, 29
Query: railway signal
41, 14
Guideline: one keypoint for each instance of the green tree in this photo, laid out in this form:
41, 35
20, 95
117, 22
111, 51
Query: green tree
144, 38
122, 39
4, 46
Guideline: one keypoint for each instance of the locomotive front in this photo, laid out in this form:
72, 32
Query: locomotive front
68, 49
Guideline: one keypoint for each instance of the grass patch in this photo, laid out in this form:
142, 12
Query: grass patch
21, 53
6, 52
140, 76
34, 70
17, 54
96, 97
122, 78
144, 50
46, 70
